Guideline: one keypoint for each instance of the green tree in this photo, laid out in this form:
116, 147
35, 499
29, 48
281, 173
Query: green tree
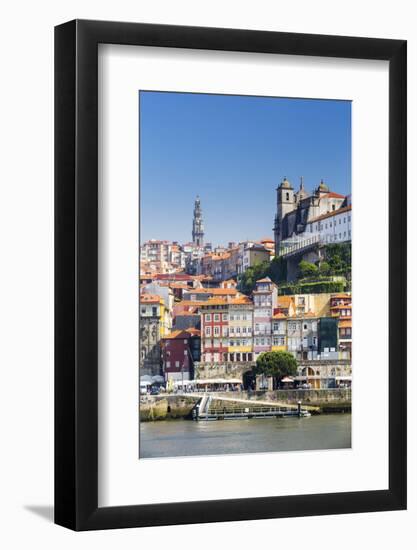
276, 364
277, 270
324, 268
308, 269
339, 258
248, 279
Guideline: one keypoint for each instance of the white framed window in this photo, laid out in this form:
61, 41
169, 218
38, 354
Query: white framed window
216, 331
216, 317
207, 317
208, 331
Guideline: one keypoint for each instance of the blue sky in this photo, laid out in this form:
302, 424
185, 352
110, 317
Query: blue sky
233, 151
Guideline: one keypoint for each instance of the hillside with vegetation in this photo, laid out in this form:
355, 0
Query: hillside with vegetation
332, 274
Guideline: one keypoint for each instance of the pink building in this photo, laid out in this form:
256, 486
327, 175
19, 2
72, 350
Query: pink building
265, 297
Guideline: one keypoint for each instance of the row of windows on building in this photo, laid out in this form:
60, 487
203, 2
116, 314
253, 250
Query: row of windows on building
319, 226
260, 302
334, 237
217, 317
225, 331
263, 328
261, 341
154, 311
228, 357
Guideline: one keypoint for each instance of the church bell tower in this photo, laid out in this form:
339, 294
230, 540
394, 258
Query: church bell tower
285, 204
198, 227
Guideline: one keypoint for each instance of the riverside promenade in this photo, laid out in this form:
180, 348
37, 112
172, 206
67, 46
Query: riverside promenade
180, 405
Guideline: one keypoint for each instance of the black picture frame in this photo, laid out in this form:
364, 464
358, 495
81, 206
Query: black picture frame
76, 273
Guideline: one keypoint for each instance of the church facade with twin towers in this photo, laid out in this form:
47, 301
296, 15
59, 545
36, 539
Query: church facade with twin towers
301, 214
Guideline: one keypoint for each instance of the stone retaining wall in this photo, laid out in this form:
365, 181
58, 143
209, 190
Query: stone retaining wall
165, 407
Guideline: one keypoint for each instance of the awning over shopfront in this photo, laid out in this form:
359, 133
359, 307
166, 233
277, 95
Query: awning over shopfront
208, 381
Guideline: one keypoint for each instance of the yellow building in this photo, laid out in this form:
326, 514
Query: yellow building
279, 332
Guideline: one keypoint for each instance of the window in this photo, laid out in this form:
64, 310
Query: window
168, 364
216, 317
208, 317
232, 317
216, 331
143, 311
154, 311
237, 330
333, 207
287, 196
224, 316
208, 331
305, 327
340, 221
177, 364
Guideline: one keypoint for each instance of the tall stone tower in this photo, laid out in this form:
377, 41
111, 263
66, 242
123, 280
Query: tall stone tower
285, 204
198, 227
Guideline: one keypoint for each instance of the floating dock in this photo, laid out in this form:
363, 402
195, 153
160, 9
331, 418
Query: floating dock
203, 411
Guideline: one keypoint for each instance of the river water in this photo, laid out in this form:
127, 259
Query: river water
168, 438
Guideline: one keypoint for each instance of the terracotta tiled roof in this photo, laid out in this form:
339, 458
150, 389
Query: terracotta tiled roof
179, 285
193, 331
264, 280
223, 291
279, 316
150, 299
334, 195
195, 303
285, 301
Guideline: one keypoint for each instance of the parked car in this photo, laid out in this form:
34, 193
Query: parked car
154, 390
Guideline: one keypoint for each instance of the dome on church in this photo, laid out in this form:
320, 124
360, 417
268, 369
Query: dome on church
285, 184
322, 188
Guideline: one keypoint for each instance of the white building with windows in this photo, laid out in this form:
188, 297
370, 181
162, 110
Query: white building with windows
333, 227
